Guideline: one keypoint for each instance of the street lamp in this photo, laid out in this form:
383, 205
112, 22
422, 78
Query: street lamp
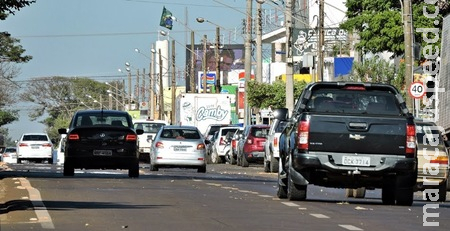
248, 61
151, 74
96, 101
129, 87
110, 94
117, 93
128, 65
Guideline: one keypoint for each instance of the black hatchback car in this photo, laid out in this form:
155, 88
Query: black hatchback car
101, 139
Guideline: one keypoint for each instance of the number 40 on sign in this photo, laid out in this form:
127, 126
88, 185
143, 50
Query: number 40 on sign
417, 90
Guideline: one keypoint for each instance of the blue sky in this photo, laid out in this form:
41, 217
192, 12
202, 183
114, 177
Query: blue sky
95, 38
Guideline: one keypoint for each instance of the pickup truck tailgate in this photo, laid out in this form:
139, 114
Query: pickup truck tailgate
357, 134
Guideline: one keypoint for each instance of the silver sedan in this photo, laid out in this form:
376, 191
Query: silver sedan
177, 146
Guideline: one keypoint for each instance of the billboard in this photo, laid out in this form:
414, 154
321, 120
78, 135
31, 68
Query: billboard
231, 63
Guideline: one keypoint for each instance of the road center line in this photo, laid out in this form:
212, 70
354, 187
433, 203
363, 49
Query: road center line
350, 227
317, 215
291, 204
39, 208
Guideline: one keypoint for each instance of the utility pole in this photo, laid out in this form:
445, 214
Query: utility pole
321, 42
192, 74
409, 61
129, 89
259, 43
143, 89
172, 114
289, 59
151, 74
205, 86
117, 95
110, 100
137, 88
248, 62
216, 52
161, 88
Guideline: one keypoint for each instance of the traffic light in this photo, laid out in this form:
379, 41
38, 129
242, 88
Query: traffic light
430, 89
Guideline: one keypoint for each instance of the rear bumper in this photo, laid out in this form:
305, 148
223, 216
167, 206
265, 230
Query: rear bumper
101, 162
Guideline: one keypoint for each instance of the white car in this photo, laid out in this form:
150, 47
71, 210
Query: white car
35, 147
222, 143
271, 148
150, 127
9, 155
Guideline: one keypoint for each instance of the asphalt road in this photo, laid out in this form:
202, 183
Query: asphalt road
38, 197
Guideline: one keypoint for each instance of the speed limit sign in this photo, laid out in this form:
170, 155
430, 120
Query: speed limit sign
417, 90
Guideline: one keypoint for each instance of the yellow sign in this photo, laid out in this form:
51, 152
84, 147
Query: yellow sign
297, 77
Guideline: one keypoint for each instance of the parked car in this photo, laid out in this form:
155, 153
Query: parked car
252, 144
210, 147
178, 146
9, 155
431, 152
150, 128
232, 154
213, 128
221, 143
271, 149
101, 139
34, 147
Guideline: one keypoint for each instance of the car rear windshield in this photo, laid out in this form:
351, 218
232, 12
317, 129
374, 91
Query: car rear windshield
180, 134
149, 127
101, 119
353, 101
34, 138
260, 132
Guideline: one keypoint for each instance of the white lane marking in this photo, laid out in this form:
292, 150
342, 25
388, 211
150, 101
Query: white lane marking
39, 208
318, 215
350, 227
291, 204
265, 195
214, 184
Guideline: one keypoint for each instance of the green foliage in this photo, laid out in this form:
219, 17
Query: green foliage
264, 95
10, 6
7, 116
380, 26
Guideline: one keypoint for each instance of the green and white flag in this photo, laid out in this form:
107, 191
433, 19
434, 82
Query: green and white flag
166, 19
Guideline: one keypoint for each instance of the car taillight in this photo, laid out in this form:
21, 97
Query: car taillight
74, 137
23, 145
275, 141
233, 143
159, 145
222, 141
440, 160
410, 141
303, 135
200, 146
131, 137
47, 145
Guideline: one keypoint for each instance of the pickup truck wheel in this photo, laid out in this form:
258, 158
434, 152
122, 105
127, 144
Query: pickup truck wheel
359, 192
295, 192
348, 192
153, 168
388, 192
273, 164
443, 191
68, 169
282, 189
202, 169
238, 160
244, 161
404, 196
266, 165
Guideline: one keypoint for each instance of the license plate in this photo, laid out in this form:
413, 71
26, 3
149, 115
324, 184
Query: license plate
176, 149
34, 147
356, 160
102, 153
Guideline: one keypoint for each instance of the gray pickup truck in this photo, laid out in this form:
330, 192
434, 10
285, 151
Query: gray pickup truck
348, 135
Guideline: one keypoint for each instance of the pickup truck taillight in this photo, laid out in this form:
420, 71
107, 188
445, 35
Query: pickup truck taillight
74, 137
275, 141
303, 135
410, 141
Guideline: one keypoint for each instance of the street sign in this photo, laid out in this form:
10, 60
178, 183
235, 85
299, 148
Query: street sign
417, 90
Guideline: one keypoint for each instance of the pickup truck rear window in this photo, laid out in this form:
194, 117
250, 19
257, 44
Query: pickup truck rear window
351, 101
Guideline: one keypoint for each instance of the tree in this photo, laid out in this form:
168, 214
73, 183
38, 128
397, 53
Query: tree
379, 23
59, 97
10, 53
265, 95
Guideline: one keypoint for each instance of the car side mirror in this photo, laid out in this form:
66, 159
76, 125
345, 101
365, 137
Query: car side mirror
207, 141
139, 131
62, 131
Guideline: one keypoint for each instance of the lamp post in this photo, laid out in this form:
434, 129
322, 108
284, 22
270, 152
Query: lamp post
151, 74
161, 93
117, 93
205, 75
216, 52
248, 61
259, 41
110, 94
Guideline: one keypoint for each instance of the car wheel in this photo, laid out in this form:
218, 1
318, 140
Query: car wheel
273, 164
348, 192
19, 161
359, 192
133, 171
50, 160
153, 168
388, 191
215, 158
202, 169
68, 169
244, 161
443, 191
232, 159
404, 196
238, 160
266, 165
295, 192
